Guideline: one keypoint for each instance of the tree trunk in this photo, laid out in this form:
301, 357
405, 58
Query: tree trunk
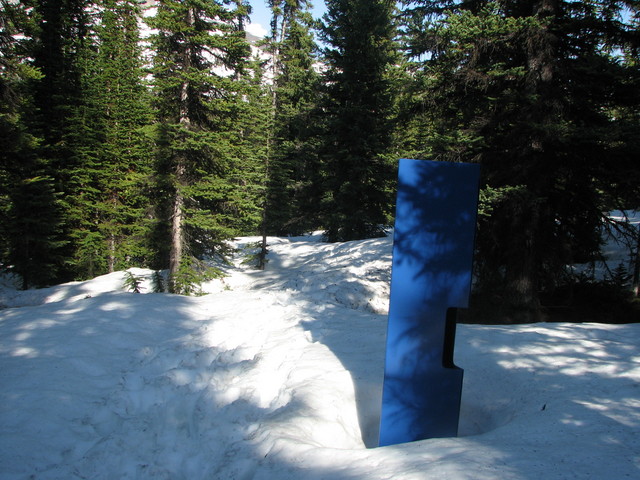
111, 260
177, 240
521, 289
111, 244
177, 215
275, 62
636, 267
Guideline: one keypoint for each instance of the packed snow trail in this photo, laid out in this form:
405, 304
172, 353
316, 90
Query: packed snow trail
120, 371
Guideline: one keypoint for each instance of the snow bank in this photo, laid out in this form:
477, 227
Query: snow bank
278, 375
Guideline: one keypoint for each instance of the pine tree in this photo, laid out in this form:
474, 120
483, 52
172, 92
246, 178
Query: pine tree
530, 90
361, 51
69, 110
200, 51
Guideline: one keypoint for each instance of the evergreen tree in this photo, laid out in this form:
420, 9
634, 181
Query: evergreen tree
27, 233
200, 51
85, 137
35, 232
361, 51
248, 160
531, 90
293, 159
120, 218
45, 182
12, 23
256, 130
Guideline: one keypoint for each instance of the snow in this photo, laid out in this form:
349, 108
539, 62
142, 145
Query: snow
278, 375
257, 29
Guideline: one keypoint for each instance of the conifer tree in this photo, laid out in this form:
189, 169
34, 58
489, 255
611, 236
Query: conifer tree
532, 91
247, 167
293, 159
12, 23
361, 51
85, 137
47, 185
124, 160
200, 51
255, 125
27, 232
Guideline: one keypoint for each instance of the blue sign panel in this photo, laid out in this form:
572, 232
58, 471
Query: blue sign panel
431, 277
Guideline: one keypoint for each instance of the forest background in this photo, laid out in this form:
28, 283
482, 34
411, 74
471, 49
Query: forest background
149, 133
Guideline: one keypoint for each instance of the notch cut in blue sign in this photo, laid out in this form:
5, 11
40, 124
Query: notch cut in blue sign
433, 244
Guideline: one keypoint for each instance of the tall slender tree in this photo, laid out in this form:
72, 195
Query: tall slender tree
16, 28
361, 50
293, 160
200, 51
47, 186
124, 160
250, 171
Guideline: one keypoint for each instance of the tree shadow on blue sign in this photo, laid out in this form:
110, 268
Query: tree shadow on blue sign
431, 277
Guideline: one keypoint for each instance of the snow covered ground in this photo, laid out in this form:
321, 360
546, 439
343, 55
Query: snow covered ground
278, 375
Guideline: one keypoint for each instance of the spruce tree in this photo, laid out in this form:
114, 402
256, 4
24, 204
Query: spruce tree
532, 91
84, 170
124, 159
293, 159
248, 158
200, 51
251, 167
13, 22
46, 184
358, 129
29, 233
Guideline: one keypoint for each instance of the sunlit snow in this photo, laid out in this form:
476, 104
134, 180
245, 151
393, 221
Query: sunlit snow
278, 375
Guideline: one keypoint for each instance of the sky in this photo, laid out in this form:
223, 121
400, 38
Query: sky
261, 16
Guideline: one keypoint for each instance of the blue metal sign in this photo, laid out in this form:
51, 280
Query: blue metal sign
431, 277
